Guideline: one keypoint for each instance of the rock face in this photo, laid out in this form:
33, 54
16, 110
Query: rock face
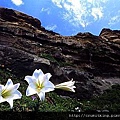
92, 61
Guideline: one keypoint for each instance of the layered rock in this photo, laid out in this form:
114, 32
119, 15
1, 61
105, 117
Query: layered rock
92, 61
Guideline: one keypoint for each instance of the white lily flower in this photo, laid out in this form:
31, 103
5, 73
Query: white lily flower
39, 84
68, 86
9, 92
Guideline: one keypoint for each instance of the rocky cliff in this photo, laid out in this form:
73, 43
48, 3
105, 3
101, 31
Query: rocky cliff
92, 61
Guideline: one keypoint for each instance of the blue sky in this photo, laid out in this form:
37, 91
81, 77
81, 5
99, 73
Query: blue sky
68, 17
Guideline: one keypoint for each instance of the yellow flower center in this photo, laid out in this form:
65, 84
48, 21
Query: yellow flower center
39, 86
6, 93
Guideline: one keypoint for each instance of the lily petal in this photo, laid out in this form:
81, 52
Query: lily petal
44, 79
10, 101
38, 73
15, 87
17, 95
47, 76
49, 86
30, 91
69, 83
8, 84
29, 79
1, 88
41, 96
66, 88
2, 99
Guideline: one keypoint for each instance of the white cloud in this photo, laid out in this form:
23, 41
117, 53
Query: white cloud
78, 12
17, 2
45, 10
114, 20
58, 3
97, 13
97, 1
75, 13
51, 27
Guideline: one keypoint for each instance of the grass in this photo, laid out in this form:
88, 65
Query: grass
109, 100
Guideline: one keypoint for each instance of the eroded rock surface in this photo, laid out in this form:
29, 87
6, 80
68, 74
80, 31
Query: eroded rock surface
92, 61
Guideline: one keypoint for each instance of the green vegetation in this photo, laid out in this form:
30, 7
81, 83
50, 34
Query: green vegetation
52, 59
49, 57
110, 100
